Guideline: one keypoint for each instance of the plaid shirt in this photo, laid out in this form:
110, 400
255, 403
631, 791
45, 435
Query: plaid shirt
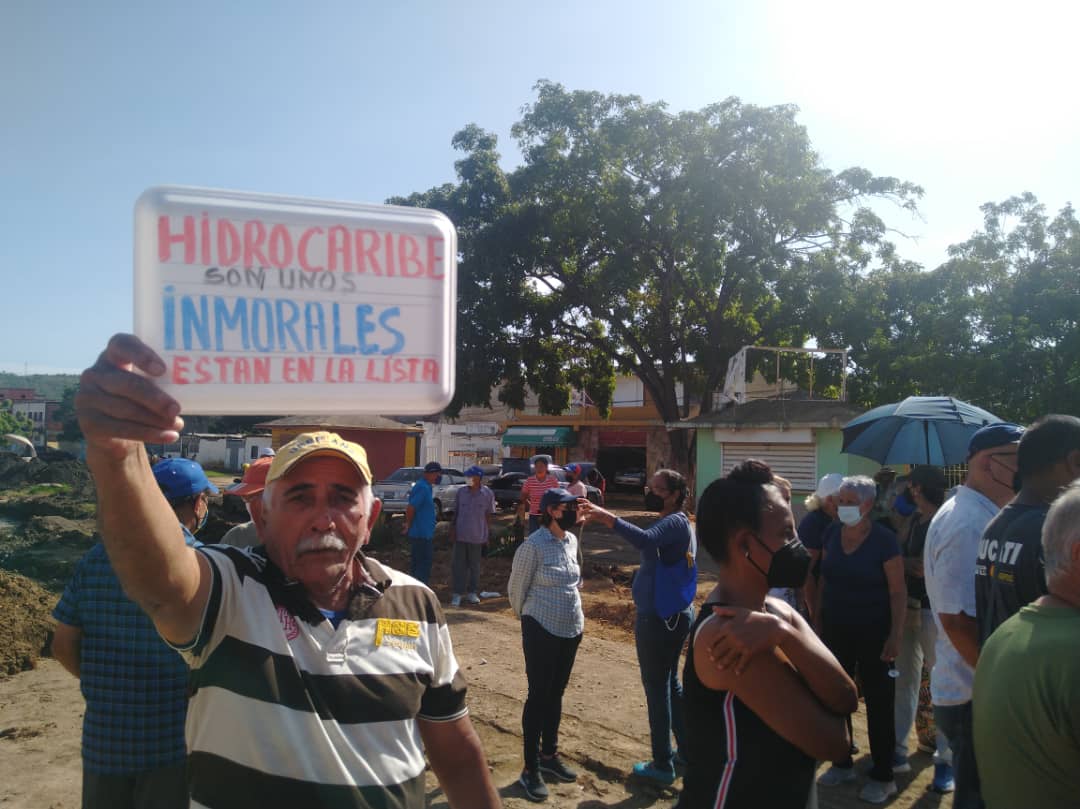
134, 685
544, 583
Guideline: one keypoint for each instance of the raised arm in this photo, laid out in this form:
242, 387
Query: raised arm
770, 687
663, 532
118, 410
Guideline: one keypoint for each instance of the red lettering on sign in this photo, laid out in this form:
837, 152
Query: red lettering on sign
262, 370
409, 256
431, 371
281, 249
254, 236
180, 370
434, 254
339, 249
204, 239
202, 364
365, 251
228, 243
305, 264
166, 239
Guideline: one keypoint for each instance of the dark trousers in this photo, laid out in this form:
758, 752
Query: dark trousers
659, 647
534, 524
955, 722
548, 662
164, 787
422, 551
858, 648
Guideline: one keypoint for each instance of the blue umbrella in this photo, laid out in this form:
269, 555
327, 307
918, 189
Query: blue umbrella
919, 430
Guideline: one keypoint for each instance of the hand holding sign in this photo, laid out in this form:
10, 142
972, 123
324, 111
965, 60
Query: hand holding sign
119, 409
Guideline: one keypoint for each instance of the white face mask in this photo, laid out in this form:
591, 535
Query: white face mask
849, 515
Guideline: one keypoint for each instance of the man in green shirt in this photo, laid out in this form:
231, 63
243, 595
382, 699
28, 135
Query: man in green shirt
1027, 683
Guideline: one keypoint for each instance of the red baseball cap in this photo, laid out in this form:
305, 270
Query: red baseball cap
254, 480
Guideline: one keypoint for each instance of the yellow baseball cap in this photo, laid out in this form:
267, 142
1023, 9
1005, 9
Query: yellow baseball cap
308, 445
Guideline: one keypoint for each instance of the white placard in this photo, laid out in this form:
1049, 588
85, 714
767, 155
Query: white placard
264, 304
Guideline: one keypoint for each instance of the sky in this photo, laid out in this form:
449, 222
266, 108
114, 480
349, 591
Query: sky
358, 101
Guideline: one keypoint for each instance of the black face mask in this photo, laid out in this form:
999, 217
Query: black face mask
568, 519
789, 565
653, 502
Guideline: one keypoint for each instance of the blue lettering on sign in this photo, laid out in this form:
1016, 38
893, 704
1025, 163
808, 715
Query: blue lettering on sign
201, 321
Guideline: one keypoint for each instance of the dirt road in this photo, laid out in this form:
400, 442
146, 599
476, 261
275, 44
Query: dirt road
604, 730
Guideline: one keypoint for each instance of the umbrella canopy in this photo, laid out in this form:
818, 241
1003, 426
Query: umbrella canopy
919, 430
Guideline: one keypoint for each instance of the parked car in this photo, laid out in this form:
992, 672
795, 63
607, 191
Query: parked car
394, 491
507, 487
630, 479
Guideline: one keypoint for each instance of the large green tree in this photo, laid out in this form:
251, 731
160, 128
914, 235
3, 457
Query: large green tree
996, 324
12, 422
651, 243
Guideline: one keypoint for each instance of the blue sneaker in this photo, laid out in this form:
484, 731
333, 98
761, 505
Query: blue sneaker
650, 772
943, 779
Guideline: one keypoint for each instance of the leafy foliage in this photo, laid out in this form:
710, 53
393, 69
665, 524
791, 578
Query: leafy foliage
997, 324
654, 244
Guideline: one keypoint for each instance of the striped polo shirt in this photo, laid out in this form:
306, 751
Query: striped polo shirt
286, 710
535, 488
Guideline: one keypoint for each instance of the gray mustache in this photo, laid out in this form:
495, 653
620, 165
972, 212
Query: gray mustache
326, 542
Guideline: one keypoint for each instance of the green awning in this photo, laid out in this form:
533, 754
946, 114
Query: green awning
539, 437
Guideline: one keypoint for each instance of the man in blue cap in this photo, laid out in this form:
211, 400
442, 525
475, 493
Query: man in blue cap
134, 684
469, 532
420, 522
952, 546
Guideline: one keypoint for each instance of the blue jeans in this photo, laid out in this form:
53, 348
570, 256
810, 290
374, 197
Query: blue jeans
955, 722
659, 647
421, 553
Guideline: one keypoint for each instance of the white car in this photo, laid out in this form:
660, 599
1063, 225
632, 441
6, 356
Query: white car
394, 491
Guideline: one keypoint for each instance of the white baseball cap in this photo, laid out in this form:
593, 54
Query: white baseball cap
829, 484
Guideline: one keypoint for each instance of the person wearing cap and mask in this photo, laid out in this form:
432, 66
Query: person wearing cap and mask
1009, 571
820, 514
664, 587
134, 684
319, 676
952, 547
469, 532
419, 524
543, 590
250, 489
763, 696
863, 603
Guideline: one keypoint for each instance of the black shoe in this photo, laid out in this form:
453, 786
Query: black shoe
534, 786
554, 766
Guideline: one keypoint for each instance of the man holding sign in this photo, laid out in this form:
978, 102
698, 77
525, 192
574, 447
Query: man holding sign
319, 677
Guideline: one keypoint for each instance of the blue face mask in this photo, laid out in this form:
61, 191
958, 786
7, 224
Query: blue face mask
903, 504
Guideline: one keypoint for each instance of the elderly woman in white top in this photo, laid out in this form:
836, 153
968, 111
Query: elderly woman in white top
543, 591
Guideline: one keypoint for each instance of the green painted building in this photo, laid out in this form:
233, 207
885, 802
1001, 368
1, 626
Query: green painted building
799, 438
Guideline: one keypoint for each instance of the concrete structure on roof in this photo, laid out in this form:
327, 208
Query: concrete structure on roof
799, 438
390, 444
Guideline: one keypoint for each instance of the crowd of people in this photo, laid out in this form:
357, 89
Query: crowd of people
285, 666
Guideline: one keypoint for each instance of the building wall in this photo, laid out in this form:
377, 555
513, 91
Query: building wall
831, 459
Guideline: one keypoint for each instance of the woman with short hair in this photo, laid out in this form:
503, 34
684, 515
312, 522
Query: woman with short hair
863, 602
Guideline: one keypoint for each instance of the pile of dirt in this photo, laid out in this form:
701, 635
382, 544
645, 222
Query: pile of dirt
26, 626
16, 472
73, 474
47, 549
